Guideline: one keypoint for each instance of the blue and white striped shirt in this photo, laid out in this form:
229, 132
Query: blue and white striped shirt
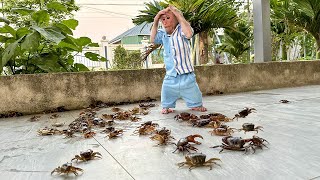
177, 55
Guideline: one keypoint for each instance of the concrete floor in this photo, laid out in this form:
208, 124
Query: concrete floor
292, 130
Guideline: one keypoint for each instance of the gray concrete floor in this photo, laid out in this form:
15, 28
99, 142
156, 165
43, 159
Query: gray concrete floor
292, 130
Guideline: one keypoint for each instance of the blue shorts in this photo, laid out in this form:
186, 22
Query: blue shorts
182, 86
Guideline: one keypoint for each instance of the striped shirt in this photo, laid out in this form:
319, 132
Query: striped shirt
177, 55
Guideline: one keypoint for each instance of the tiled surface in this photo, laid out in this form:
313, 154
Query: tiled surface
292, 130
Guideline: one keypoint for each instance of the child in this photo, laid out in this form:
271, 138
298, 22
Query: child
180, 79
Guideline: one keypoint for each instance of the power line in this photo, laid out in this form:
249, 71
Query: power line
102, 10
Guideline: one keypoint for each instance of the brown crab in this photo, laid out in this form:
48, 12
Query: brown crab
48, 131
115, 133
87, 155
246, 127
89, 134
162, 136
34, 118
239, 144
68, 133
185, 116
194, 160
243, 113
223, 130
183, 143
66, 169
146, 128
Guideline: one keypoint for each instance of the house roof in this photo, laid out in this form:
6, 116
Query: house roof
142, 29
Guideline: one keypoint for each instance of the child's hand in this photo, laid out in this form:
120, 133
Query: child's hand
160, 13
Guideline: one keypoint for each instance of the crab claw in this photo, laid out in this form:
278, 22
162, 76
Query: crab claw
190, 138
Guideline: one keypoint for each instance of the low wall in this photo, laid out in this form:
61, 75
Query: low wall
39, 92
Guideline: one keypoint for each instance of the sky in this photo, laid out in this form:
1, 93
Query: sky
108, 18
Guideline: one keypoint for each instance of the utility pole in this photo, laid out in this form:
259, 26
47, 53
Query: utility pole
262, 30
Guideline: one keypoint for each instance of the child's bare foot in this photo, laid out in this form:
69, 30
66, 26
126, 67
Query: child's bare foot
166, 111
201, 109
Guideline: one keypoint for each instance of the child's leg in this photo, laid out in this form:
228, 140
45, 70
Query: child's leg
191, 93
169, 94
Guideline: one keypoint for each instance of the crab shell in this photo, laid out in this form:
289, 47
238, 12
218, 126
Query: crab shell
196, 158
248, 126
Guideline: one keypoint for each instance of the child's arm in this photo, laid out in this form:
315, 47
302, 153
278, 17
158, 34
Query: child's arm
154, 28
185, 25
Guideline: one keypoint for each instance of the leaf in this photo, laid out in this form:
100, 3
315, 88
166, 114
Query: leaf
9, 52
82, 41
71, 23
2, 19
94, 57
22, 31
69, 42
50, 34
64, 28
41, 17
57, 6
23, 11
3, 39
8, 29
93, 45
31, 42
80, 67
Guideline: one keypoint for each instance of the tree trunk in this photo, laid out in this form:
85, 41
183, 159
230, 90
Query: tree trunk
318, 48
284, 52
203, 47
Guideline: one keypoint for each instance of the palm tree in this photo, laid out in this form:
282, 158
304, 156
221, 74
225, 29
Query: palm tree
304, 14
203, 15
236, 42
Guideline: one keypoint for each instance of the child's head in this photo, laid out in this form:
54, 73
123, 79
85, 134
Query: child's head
169, 21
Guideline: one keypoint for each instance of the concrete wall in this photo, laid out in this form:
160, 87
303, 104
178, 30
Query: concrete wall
39, 92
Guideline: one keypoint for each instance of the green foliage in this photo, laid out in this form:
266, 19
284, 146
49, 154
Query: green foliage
124, 59
303, 14
203, 15
39, 38
236, 42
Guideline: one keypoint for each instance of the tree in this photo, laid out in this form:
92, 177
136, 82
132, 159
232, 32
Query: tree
236, 42
124, 59
304, 14
39, 38
203, 15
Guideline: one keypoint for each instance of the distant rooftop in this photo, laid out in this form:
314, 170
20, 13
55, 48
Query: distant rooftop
142, 29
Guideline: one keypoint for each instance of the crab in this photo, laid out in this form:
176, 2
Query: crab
218, 117
223, 130
284, 101
163, 136
99, 122
243, 113
87, 155
48, 131
239, 144
54, 116
34, 118
184, 116
146, 128
89, 134
201, 123
57, 124
115, 133
67, 168
183, 143
68, 132
250, 127
194, 160
108, 129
